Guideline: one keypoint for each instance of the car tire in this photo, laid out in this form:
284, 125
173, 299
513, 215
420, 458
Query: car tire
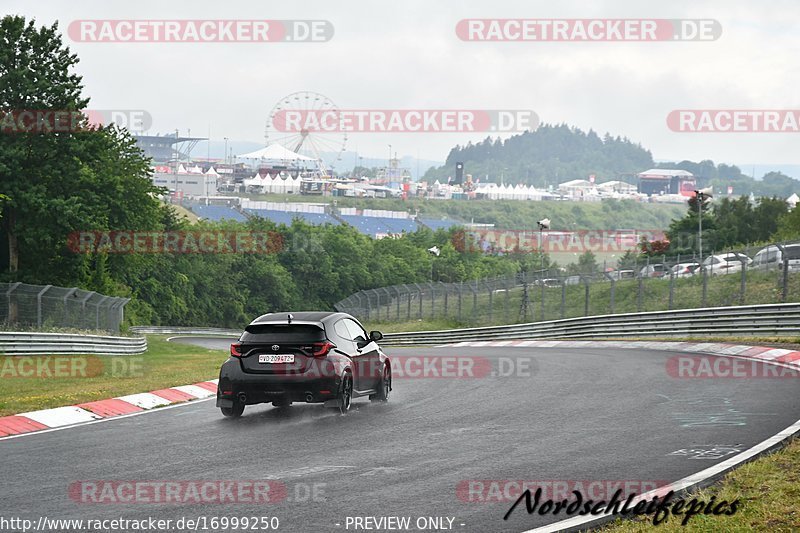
345, 393
384, 387
235, 411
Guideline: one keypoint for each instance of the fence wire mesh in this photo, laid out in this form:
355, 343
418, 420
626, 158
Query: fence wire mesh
26, 306
650, 284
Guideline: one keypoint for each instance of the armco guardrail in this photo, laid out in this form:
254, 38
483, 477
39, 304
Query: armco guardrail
769, 320
180, 330
31, 343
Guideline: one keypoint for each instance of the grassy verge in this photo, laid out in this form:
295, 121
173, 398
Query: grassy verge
71, 379
768, 489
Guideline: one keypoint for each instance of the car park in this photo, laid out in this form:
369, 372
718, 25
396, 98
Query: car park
656, 270
727, 263
685, 270
310, 357
772, 258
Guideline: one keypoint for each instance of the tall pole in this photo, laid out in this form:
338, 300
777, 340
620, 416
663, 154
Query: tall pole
700, 226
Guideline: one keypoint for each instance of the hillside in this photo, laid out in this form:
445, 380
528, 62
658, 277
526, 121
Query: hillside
554, 154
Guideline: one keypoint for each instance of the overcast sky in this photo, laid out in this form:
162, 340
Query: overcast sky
397, 55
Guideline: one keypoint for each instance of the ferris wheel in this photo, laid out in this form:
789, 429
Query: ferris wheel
307, 142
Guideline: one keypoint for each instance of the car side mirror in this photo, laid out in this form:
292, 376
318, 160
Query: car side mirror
375, 335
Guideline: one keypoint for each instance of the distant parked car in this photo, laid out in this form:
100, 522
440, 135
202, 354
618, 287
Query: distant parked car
725, 263
656, 270
550, 283
572, 280
622, 274
684, 270
771, 258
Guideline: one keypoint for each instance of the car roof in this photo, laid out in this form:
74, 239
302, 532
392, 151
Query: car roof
315, 317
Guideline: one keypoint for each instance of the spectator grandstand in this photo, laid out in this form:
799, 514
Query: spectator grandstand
285, 217
380, 226
215, 213
435, 224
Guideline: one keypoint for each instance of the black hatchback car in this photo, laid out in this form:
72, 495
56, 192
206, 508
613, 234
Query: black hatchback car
303, 357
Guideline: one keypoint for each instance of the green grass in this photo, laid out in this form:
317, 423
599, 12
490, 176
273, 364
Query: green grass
768, 490
165, 364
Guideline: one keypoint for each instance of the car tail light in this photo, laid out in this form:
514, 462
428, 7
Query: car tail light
236, 349
321, 349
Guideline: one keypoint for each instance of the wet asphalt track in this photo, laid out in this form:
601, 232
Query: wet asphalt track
582, 414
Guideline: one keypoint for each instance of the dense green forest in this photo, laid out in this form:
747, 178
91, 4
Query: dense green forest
554, 154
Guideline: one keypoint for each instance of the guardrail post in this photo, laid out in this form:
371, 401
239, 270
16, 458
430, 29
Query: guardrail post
39, 305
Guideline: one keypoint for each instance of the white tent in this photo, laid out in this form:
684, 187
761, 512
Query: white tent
275, 152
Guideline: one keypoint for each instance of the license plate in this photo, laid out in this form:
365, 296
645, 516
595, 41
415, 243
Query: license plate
275, 358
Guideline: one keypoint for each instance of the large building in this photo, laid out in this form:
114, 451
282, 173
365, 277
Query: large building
187, 182
658, 181
167, 148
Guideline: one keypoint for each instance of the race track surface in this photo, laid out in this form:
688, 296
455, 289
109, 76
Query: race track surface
575, 415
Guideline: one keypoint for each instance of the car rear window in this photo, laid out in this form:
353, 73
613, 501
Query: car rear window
793, 252
259, 333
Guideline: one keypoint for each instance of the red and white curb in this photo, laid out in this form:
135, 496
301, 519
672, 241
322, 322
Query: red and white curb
789, 358
98, 410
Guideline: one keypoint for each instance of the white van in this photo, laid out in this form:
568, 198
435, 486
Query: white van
771, 258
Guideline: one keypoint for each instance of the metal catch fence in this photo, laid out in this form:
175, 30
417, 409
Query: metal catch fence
24, 306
